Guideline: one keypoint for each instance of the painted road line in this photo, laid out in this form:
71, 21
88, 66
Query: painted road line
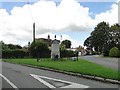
8, 81
70, 84
42, 81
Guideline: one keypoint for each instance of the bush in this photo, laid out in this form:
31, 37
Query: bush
67, 53
114, 52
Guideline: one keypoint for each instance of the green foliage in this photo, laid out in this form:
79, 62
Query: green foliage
67, 53
88, 43
103, 38
67, 43
114, 52
114, 36
12, 51
13, 47
106, 50
99, 36
10, 46
62, 47
14, 54
39, 49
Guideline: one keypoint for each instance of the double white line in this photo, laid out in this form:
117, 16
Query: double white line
8, 81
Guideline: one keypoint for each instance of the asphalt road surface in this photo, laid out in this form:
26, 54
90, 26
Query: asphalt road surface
18, 76
107, 62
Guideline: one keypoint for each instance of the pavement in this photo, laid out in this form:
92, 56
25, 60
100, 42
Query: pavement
112, 63
26, 77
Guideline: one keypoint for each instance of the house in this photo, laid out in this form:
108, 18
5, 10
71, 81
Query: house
80, 49
48, 40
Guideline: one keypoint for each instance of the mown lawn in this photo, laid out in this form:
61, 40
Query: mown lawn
80, 66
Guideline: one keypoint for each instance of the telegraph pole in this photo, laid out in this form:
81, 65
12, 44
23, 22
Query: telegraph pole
119, 12
34, 33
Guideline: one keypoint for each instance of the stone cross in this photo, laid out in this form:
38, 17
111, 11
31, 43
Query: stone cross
55, 52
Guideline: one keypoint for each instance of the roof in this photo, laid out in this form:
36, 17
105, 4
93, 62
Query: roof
55, 41
49, 41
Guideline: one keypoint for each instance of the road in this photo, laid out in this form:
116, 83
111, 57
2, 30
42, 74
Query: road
107, 62
26, 77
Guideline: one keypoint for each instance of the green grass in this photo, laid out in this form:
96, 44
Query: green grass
80, 66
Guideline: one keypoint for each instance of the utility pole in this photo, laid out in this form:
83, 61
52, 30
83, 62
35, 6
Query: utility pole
34, 33
119, 13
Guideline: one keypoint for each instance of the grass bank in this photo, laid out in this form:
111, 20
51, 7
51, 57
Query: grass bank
80, 66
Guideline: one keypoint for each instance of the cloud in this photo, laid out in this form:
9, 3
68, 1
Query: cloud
71, 16
110, 16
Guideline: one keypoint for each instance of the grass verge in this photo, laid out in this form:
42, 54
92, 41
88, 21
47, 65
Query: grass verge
80, 66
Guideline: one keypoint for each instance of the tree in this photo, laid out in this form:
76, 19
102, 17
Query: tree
10, 46
99, 36
39, 49
4, 46
67, 43
88, 43
13, 47
114, 36
113, 39
62, 47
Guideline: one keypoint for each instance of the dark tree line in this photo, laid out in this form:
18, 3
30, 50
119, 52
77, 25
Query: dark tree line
103, 38
13, 51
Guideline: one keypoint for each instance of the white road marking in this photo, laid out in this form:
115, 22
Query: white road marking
43, 81
8, 81
72, 84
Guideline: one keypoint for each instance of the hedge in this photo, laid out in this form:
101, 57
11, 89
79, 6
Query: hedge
67, 53
14, 54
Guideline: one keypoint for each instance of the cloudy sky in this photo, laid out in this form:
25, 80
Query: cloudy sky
73, 19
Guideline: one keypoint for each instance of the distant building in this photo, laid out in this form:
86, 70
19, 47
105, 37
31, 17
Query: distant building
80, 49
48, 40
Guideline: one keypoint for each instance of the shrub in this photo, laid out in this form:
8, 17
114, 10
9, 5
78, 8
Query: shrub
67, 53
114, 52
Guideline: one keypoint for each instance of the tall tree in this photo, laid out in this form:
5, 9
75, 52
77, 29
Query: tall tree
99, 36
114, 36
67, 43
